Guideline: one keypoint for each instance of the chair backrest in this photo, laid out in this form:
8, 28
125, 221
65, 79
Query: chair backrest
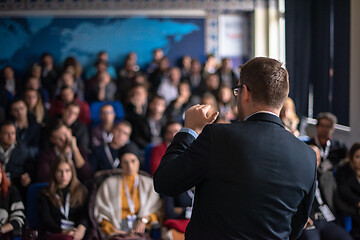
32, 204
147, 156
95, 111
346, 222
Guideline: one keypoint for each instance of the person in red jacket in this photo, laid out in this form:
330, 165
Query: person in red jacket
168, 133
67, 95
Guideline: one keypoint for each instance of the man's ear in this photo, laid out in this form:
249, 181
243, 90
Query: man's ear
246, 93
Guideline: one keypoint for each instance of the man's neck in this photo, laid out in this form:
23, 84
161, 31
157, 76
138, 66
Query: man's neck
115, 145
107, 127
323, 140
155, 117
23, 123
5, 146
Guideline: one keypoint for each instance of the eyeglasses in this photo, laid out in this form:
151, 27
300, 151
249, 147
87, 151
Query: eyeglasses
236, 89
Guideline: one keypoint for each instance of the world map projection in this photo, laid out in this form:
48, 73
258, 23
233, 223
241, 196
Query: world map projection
24, 39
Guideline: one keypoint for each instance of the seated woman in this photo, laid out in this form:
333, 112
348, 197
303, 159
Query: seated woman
127, 203
62, 208
33, 101
348, 176
12, 216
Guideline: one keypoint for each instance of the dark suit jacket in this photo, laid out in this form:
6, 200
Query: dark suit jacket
253, 179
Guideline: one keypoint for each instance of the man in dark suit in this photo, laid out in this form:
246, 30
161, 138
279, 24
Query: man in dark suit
253, 179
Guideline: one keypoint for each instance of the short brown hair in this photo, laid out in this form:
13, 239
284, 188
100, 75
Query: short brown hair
327, 115
267, 81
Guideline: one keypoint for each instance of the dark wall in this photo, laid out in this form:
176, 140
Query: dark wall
309, 59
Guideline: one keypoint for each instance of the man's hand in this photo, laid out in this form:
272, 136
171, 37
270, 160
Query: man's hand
195, 117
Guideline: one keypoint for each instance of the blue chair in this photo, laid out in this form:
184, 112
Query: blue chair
346, 222
95, 111
147, 155
32, 204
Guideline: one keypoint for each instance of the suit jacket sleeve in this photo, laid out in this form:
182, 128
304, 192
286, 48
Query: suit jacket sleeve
184, 164
301, 216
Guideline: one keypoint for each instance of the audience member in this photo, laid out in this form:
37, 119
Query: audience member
321, 223
28, 131
5, 99
168, 88
184, 101
63, 143
49, 73
68, 79
211, 84
67, 95
185, 66
209, 99
127, 202
102, 133
158, 54
195, 77
101, 88
167, 133
73, 66
35, 71
105, 156
289, 118
210, 66
226, 103
147, 129
102, 63
137, 101
15, 158
35, 105
9, 82
34, 83
79, 130
127, 77
12, 217
226, 73
62, 205
332, 150
348, 176
161, 72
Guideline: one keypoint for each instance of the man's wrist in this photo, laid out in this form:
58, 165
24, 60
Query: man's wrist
189, 131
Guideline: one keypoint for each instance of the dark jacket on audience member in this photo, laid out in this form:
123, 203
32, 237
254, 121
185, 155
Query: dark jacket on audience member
337, 150
21, 161
50, 215
348, 187
30, 136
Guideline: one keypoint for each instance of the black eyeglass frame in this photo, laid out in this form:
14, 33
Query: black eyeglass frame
237, 89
